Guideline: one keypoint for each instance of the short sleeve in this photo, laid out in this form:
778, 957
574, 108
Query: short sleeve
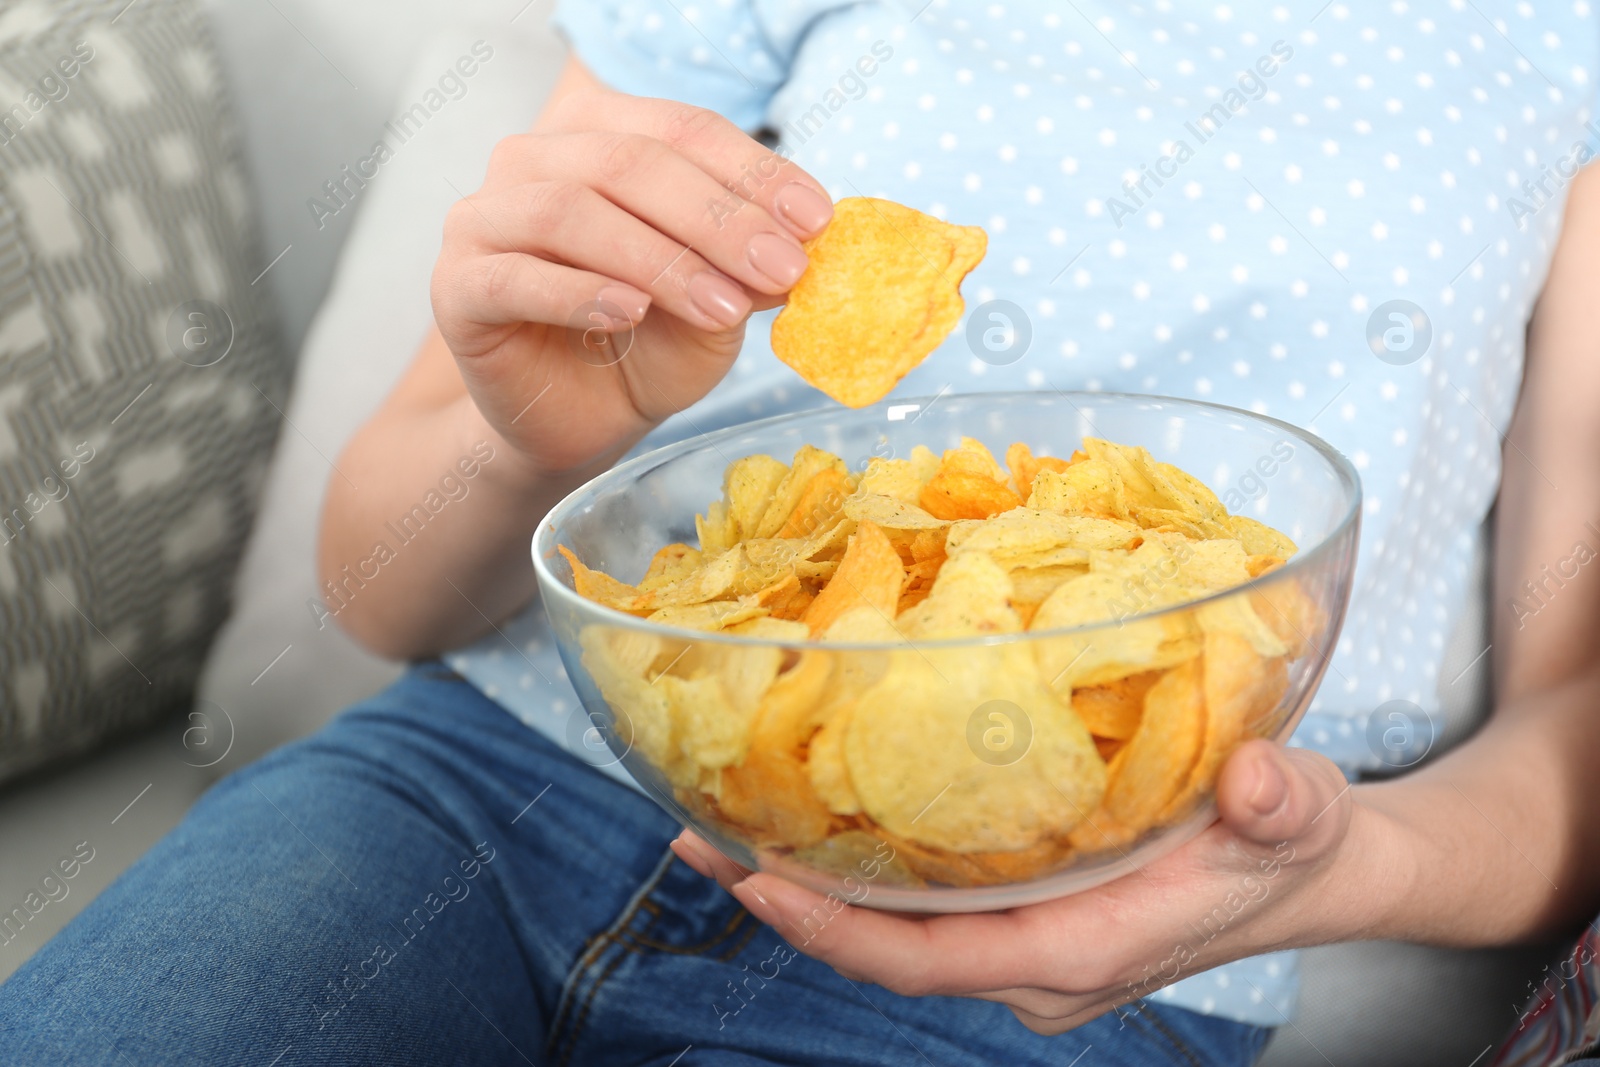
712, 54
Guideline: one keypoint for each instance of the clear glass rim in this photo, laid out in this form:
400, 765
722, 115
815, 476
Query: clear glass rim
1306, 559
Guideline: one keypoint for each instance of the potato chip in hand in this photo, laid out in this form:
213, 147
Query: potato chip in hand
883, 290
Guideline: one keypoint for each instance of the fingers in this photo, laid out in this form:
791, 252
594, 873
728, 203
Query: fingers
707, 860
1049, 1023
510, 287
1268, 794
945, 954
673, 201
658, 185
748, 173
571, 223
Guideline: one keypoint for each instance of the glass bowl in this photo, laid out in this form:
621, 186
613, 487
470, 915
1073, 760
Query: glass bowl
949, 775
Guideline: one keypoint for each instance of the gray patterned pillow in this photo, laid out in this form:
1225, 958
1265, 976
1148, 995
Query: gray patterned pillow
139, 371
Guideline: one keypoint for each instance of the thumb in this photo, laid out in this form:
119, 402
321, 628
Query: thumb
1268, 794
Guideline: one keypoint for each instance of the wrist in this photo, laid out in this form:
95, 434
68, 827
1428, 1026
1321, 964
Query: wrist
521, 478
507, 468
1366, 888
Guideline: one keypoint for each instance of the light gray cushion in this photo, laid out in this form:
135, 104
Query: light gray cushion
376, 313
139, 373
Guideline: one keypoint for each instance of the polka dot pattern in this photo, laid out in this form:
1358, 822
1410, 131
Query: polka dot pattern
1189, 199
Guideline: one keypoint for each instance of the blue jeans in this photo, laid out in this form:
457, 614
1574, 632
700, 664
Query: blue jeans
383, 893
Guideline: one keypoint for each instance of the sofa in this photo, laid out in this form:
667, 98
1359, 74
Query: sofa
345, 265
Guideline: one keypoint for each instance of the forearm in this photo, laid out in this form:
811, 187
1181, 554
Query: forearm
1495, 843
426, 530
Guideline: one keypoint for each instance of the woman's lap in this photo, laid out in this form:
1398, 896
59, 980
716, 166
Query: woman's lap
429, 881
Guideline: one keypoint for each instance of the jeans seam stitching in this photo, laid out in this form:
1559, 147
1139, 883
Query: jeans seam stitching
1178, 1045
703, 948
744, 942
591, 955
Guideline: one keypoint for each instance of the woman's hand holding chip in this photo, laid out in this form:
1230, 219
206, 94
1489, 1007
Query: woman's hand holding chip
601, 278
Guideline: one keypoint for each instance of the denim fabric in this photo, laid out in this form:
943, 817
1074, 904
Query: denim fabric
427, 881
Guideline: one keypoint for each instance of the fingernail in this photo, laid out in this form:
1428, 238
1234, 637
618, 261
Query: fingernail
690, 853
779, 259
1271, 788
631, 301
803, 208
718, 299
755, 903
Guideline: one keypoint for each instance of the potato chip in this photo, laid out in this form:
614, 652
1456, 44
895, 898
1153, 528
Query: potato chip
1112, 710
1069, 556
710, 729
1022, 533
716, 529
913, 595
713, 578
1259, 565
881, 292
1104, 655
1099, 832
1156, 763
891, 513
1212, 565
969, 484
618, 660
1237, 615
908, 756
870, 574
1189, 495
748, 487
972, 595
787, 716
820, 506
924, 464
891, 477
973, 457
928, 545
770, 796
747, 671
1159, 494
782, 498
1171, 520
851, 854
1092, 487
825, 765
1025, 467
762, 563
669, 565
717, 615
786, 598
938, 865
1031, 586
1241, 689
1024, 865
1260, 539
597, 585
863, 625
943, 867
1284, 606
959, 494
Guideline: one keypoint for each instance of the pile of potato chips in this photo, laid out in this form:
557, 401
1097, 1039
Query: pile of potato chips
859, 715
883, 289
